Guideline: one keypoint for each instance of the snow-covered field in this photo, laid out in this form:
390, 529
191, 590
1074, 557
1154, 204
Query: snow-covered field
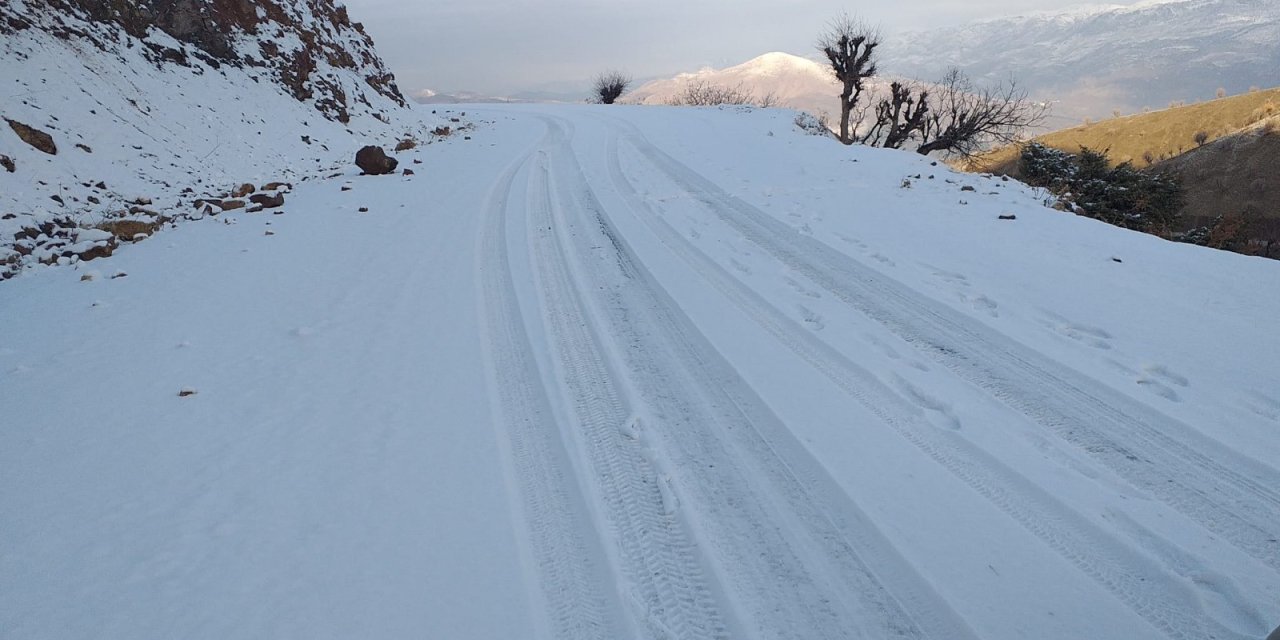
643, 372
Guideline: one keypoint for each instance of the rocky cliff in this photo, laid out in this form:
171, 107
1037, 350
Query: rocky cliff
310, 47
139, 112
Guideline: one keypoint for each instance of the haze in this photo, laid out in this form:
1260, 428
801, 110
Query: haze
503, 47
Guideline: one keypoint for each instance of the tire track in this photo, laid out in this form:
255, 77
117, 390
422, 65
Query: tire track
570, 586
1226, 493
658, 560
795, 554
1148, 589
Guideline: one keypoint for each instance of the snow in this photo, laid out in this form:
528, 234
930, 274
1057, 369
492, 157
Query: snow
154, 131
643, 372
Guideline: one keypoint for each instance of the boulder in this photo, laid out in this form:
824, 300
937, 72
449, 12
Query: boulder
34, 137
268, 200
242, 190
372, 160
7, 163
129, 230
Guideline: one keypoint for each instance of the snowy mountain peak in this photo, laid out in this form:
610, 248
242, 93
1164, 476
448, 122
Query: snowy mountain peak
777, 63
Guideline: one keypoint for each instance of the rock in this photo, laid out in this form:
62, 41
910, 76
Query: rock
967, 188
268, 232
363, 209
7, 163
186, 392
417, 161
100, 185
99, 250
58, 199
1009, 217
407, 172
228, 205
442, 131
268, 200
406, 144
93, 199
34, 137
130, 229
141, 201
372, 160
84, 147
243, 190
276, 186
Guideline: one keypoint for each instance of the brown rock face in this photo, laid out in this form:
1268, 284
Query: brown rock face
374, 161
7, 163
34, 137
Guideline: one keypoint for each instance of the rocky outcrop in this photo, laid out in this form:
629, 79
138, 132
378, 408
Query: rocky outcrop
36, 138
374, 161
311, 47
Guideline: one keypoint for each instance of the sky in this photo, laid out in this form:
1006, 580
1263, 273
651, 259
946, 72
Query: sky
501, 47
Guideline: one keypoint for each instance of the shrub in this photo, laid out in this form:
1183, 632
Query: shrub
609, 86
1201, 137
700, 93
1119, 195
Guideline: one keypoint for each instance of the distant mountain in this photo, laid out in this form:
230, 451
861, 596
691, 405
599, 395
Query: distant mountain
794, 82
1093, 61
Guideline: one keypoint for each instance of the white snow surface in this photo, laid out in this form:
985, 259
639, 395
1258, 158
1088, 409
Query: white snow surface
643, 372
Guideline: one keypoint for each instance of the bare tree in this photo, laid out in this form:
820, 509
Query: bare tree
609, 86
850, 46
899, 117
700, 93
964, 120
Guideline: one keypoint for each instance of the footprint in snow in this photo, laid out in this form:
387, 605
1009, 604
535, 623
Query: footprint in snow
811, 318
740, 267
802, 290
1158, 388
1263, 405
1092, 336
982, 304
1167, 375
927, 401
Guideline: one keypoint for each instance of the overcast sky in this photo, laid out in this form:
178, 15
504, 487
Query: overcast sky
505, 46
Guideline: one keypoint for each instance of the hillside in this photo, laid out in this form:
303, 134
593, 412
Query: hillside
1235, 176
149, 107
1150, 137
627, 372
1096, 60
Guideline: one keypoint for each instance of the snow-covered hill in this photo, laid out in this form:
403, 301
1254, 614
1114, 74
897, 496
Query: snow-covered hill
172, 101
636, 372
795, 82
1109, 57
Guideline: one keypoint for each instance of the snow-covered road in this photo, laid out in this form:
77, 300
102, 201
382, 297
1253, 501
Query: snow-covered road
644, 373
